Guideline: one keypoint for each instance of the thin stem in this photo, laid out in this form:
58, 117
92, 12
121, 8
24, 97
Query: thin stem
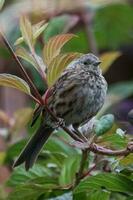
89, 171
25, 75
35, 99
103, 151
93, 147
82, 166
77, 132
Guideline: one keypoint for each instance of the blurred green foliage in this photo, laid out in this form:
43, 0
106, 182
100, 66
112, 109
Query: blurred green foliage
53, 176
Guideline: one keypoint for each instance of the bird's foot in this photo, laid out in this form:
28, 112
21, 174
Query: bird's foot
81, 135
60, 123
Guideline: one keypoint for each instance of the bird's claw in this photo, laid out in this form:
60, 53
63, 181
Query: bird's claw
60, 123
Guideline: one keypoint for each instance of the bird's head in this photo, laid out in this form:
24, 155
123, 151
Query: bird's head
90, 62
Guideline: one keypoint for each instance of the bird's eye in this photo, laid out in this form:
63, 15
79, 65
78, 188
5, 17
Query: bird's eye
85, 63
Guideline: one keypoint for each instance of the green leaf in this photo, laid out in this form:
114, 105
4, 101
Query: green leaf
32, 191
23, 53
80, 196
108, 181
69, 170
58, 149
114, 140
111, 35
104, 124
20, 176
13, 150
57, 158
26, 30
56, 145
58, 25
127, 160
32, 184
36, 61
99, 195
19, 41
129, 198
13, 81
1, 3
77, 44
37, 29
2, 157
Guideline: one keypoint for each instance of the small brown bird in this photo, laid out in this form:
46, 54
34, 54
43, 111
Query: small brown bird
76, 97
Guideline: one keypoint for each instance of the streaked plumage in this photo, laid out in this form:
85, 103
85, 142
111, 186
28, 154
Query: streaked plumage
77, 96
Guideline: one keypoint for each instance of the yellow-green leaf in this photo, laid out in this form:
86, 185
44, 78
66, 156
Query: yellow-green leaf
107, 59
19, 41
37, 29
2, 157
26, 30
1, 3
23, 53
35, 60
13, 81
54, 45
58, 64
128, 160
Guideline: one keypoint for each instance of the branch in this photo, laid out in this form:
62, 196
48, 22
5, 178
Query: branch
98, 150
104, 151
88, 173
93, 147
79, 175
23, 71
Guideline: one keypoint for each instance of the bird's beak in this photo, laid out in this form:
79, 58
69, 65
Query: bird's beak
97, 63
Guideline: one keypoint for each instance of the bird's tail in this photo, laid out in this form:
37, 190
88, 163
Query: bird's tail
34, 146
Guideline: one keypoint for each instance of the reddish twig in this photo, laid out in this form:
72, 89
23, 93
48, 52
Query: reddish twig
93, 147
104, 151
89, 171
24, 73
